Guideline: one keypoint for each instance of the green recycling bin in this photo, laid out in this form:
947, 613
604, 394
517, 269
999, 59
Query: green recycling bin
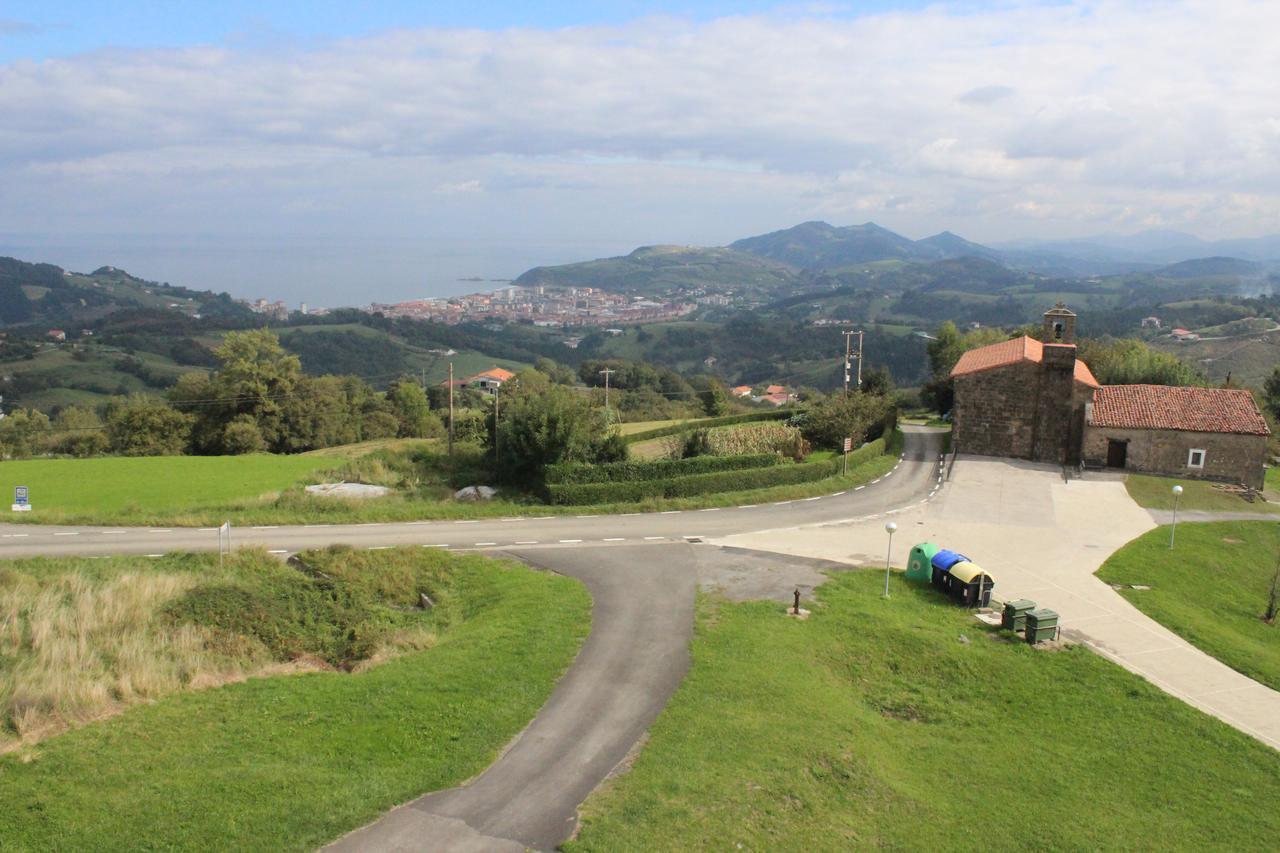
920, 562
1042, 625
1014, 615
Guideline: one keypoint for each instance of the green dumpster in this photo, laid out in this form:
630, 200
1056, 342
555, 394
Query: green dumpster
1042, 625
920, 562
1014, 615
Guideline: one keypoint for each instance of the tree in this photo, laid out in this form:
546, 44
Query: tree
145, 426
78, 432
944, 351
255, 379
411, 408
1129, 361
23, 433
242, 436
715, 399
877, 381
550, 426
1271, 392
829, 422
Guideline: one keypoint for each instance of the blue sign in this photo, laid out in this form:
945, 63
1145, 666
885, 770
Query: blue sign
20, 495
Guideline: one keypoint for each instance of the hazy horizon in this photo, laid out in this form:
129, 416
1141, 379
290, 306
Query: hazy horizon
341, 155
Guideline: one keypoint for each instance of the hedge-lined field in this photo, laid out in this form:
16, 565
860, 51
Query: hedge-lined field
707, 423
638, 470
691, 485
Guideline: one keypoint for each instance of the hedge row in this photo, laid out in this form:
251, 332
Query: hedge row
705, 423
657, 469
704, 484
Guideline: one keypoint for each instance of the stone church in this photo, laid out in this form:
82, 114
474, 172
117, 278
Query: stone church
1035, 400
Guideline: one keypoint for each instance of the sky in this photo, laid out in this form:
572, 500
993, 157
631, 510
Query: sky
342, 153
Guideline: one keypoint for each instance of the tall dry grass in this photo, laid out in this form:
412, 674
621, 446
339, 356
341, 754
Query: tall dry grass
74, 649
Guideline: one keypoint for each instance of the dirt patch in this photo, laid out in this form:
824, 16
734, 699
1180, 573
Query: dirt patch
741, 574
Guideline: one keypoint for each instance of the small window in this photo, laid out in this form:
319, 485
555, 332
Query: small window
1195, 458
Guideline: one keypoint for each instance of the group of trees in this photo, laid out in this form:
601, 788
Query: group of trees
257, 400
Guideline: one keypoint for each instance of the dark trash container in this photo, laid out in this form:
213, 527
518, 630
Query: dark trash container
970, 584
942, 563
1042, 625
1014, 615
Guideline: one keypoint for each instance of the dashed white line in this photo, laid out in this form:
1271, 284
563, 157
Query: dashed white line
818, 498
781, 503
22, 535
513, 518
748, 506
670, 512
369, 524
569, 541
876, 480
208, 529
651, 538
586, 516
468, 521
258, 527
528, 542
710, 509
160, 531
76, 533
153, 555
278, 551
110, 532
835, 494
325, 525
858, 488
890, 474
614, 539
694, 536
437, 545
485, 544
625, 514
377, 547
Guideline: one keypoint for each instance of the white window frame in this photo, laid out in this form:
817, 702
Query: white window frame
1191, 454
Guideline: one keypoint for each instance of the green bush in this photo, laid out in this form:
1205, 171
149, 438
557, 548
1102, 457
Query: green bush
709, 483
706, 423
639, 470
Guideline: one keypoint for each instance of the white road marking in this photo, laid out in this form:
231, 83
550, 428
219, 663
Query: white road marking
806, 500
890, 474
858, 488
835, 494
259, 527
468, 521
160, 531
153, 555
625, 514
651, 538
513, 518
278, 551
377, 547
76, 533
330, 525
748, 506
22, 535
614, 539
438, 545
112, 532
710, 509
586, 516
781, 503
670, 512
569, 541
369, 523
876, 480
208, 529
528, 542
484, 544
695, 536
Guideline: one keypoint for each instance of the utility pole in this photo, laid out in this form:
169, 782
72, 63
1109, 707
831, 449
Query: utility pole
451, 409
497, 389
607, 372
848, 358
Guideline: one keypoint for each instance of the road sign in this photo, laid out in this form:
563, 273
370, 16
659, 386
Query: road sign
21, 499
848, 445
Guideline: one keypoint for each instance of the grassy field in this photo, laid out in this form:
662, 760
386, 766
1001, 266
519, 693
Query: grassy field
120, 488
1157, 493
153, 491
905, 724
1273, 480
289, 763
1211, 590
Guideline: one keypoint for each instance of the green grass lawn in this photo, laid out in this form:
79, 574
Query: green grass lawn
1157, 493
118, 488
1273, 479
289, 763
906, 724
162, 490
1210, 590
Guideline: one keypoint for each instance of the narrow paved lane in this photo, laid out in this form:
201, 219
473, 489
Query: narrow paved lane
912, 482
636, 656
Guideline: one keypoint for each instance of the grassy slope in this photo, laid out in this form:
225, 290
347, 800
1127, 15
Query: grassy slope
873, 724
1157, 493
1211, 590
1273, 479
290, 763
111, 487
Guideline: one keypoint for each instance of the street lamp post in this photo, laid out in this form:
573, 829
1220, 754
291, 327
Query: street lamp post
1177, 493
889, 527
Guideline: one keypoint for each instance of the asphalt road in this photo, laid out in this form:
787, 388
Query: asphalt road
641, 572
914, 480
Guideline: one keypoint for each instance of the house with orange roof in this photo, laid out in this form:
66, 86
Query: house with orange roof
490, 380
741, 391
1035, 399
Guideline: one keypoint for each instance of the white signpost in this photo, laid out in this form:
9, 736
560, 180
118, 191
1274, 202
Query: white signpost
224, 541
848, 445
21, 499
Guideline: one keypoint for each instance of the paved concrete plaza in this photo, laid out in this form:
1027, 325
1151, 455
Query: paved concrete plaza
1043, 539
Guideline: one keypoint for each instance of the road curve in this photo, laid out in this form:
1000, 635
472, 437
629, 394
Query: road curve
640, 572
914, 480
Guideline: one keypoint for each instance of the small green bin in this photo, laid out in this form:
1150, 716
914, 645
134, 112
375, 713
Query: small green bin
1014, 615
1042, 625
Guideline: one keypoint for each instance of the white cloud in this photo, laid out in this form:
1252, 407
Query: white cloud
1079, 116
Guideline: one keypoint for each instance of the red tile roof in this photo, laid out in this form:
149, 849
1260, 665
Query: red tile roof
1163, 407
1010, 352
774, 389
493, 373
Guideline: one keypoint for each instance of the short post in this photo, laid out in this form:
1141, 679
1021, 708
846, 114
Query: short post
1177, 493
848, 445
889, 528
795, 608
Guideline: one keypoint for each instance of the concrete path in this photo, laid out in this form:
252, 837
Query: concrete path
1043, 539
635, 657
